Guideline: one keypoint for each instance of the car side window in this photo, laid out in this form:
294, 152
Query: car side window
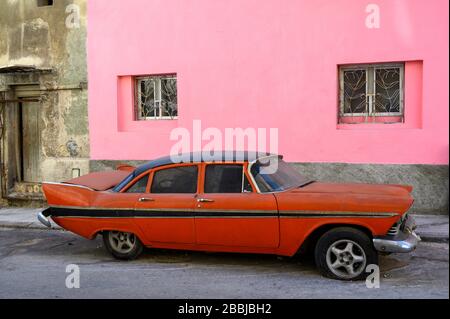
225, 178
181, 179
139, 186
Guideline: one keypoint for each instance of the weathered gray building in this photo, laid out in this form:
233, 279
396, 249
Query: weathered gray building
43, 95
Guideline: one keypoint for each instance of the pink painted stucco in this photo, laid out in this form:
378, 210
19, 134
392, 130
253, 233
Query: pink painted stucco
268, 64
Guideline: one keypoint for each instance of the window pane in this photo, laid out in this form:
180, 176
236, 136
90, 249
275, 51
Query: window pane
147, 98
354, 91
387, 88
139, 186
181, 179
223, 179
156, 97
169, 97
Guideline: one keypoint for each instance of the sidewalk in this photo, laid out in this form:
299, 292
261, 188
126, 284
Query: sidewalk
431, 228
19, 217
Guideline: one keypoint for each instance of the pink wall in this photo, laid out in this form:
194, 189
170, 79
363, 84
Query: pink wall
253, 63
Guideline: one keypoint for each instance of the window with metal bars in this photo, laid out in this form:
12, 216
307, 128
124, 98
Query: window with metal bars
371, 93
156, 97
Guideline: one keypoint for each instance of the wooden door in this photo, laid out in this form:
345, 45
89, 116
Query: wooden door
30, 141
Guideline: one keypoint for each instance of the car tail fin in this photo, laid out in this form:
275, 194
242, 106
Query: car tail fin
61, 194
408, 188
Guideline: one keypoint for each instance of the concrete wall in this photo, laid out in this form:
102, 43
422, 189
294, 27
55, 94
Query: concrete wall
430, 182
51, 39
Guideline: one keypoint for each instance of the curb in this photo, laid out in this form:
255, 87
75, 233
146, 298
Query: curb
33, 226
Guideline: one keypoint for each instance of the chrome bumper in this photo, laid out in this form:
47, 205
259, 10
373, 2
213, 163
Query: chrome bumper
404, 242
43, 218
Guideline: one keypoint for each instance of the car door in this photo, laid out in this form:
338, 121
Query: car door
230, 213
166, 209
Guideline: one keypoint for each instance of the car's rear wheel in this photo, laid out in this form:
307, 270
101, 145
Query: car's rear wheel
122, 245
344, 253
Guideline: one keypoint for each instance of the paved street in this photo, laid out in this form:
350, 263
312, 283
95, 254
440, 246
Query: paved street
33, 264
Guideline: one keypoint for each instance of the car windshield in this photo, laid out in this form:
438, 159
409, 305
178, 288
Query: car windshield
272, 174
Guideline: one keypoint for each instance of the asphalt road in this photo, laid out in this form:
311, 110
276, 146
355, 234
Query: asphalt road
33, 265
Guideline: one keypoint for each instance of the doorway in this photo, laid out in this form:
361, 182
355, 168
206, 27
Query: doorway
21, 145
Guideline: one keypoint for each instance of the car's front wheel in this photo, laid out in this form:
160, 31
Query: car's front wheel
122, 245
344, 253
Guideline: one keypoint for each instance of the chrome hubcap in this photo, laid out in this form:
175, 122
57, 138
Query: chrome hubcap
346, 259
122, 242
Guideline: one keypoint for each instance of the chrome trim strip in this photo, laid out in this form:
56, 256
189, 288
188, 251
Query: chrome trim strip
331, 216
236, 211
169, 209
123, 208
346, 213
70, 185
151, 217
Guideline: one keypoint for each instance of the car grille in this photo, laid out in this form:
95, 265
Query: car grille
394, 230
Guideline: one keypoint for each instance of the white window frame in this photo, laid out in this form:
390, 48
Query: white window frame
370, 101
156, 79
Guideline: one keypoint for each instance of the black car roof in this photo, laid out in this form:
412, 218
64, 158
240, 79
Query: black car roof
198, 157
193, 157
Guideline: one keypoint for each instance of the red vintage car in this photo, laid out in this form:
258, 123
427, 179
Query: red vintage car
235, 202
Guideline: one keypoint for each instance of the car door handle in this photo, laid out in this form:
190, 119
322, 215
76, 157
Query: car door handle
146, 199
204, 200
